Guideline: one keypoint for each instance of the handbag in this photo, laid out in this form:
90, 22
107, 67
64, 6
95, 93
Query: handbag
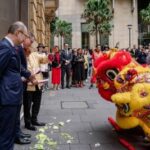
55, 63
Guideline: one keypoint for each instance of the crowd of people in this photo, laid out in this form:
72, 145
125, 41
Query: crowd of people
74, 64
77, 64
141, 54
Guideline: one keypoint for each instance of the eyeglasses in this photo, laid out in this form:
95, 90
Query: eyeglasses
32, 40
26, 35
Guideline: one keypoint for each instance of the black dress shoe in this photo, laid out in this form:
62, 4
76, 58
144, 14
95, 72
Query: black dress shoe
23, 135
22, 141
30, 127
91, 86
68, 87
36, 123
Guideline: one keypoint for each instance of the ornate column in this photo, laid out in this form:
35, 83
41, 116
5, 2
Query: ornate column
50, 8
49, 15
33, 17
133, 5
113, 6
40, 21
40, 14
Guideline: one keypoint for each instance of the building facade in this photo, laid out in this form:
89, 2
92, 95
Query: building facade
36, 14
125, 31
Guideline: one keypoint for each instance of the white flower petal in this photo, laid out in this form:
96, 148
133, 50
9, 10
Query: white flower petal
61, 123
68, 121
69, 142
55, 127
97, 145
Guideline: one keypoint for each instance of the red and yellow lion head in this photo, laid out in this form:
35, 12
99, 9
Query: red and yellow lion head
107, 67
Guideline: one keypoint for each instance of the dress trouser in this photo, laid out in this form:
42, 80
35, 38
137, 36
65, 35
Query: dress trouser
31, 99
8, 120
18, 130
67, 70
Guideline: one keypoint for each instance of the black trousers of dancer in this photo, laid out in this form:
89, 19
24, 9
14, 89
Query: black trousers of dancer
32, 103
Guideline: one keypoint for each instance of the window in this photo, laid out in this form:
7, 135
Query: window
85, 37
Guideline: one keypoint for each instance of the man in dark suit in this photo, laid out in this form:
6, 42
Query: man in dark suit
66, 58
10, 84
22, 138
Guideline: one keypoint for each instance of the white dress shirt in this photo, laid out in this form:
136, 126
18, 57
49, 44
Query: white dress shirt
10, 41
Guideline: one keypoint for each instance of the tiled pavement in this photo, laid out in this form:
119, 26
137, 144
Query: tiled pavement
87, 115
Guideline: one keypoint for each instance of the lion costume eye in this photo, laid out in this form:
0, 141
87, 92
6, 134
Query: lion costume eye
119, 79
112, 73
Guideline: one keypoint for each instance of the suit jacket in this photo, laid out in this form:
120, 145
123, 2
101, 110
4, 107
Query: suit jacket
24, 71
10, 75
64, 57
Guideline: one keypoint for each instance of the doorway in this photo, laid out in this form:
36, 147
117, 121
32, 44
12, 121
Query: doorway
85, 37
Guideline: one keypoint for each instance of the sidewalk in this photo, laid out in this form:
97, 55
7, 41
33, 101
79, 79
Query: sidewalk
85, 116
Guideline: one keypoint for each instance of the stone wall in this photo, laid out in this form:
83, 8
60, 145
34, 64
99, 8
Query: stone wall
123, 16
24, 11
37, 19
31, 12
50, 7
9, 12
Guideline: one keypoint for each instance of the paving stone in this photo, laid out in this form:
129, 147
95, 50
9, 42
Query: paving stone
77, 127
52, 105
79, 111
20, 147
80, 147
55, 112
63, 147
58, 118
93, 117
97, 137
99, 125
74, 135
79, 104
113, 146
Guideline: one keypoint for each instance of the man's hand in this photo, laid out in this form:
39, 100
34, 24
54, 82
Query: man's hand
32, 77
23, 79
67, 62
59, 66
34, 82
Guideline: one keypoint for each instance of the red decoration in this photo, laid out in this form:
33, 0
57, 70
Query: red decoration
126, 144
106, 64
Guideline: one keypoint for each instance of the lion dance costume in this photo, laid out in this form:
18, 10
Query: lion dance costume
126, 83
